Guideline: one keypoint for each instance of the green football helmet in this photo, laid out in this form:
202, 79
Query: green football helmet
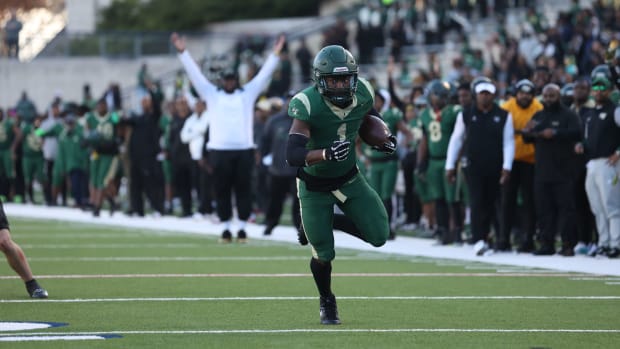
601, 70
335, 60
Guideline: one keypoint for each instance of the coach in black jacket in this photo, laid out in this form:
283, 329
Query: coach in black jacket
554, 130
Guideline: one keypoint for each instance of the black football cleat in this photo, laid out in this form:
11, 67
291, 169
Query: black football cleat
242, 236
329, 311
35, 290
226, 236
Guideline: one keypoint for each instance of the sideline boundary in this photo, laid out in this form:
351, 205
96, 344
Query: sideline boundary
403, 245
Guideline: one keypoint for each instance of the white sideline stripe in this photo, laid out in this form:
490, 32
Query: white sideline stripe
306, 298
121, 246
352, 330
182, 259
282, 275
612, 283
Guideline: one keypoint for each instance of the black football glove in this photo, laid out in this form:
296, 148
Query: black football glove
388, 147
338, 151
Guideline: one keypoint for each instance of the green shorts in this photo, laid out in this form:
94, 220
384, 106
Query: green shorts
103, 170
357, 200
6, 164
438, 185
421, 188
33, 169
382, 177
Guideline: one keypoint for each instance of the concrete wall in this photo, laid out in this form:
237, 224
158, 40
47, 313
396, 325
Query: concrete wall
44, 78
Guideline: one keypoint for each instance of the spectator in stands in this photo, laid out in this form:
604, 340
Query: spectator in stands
522, 107
602, 147
11, 35
231, 141
554, 130
490, 152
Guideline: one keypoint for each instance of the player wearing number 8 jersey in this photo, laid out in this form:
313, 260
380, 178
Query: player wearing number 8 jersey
438, 121
327, 118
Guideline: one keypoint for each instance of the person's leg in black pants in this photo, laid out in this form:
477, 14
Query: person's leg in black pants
412, 206
483, 193
546, 212
279, 187
222, 162
508, 207
528, 220
154, 186
182, 175
135, 191
565, 202
243, 183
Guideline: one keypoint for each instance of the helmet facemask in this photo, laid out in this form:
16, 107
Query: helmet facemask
335, 62
339, 96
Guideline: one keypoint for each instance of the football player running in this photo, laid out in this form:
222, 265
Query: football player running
327, 117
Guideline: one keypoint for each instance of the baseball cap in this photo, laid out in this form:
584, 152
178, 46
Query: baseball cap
525, 85
485, 86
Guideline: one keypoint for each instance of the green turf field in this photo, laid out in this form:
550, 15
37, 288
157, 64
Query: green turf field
166, 290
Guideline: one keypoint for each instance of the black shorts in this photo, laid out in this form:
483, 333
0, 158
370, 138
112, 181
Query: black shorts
4, 223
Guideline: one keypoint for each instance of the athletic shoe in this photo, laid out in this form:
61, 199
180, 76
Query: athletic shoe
527, 247
567, 252
392, 235
481, 248
581, 248
544, 251
242, 237
226, 236
613, 252
329, 311
268, 229
600, 251
36, 291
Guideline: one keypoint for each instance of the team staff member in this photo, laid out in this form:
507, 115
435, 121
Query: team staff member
327, 117
490, 151
522, 107
602, 147
231, 133
554, 130
16, 258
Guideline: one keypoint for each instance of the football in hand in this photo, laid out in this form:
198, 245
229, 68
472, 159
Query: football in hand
373, 131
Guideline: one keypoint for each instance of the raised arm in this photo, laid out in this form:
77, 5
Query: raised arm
259, 82
203, 86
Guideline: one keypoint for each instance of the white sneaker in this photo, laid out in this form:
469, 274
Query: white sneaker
581, 248
481, 248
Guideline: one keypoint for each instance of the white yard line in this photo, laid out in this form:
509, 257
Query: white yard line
330, 330
306, 298
284, 275
401, 246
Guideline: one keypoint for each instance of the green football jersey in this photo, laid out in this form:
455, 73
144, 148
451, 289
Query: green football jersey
7, 136
74, 155
438, 128
415, 127
329, 123
32, 145
101, 128
391, 117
